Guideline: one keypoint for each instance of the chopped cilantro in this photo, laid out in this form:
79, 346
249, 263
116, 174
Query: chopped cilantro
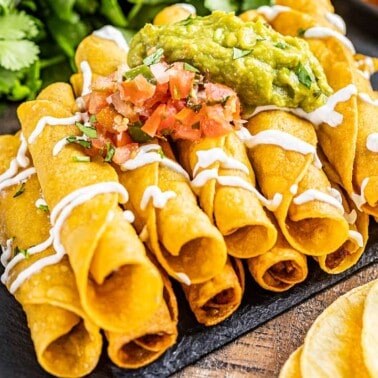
189, 67
43, 207
303, 75
20, 190
81, 159
88, 131
110, 151
24, 252
137, 134
82, 142
140, 70
161, 153
154, 58
92, 118
238, 53
282, 45
301, 32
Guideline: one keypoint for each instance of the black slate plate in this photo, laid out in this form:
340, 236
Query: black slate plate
17, 357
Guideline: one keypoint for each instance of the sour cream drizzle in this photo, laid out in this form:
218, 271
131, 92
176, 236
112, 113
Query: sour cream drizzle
279, 138
21, 177
148, 154
113, 34
205, 158
182, 277
324, 32
271, 12
359, 199
159, 198
58, 216
40, 202
351, 217
208, 174
20, 161
6, 252
323, 114
372, 142
357, 237
53, 121
87, 77
63, 142
317, 195
336, 21
366, 98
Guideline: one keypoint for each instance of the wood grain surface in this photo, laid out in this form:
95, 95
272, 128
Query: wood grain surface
262, 352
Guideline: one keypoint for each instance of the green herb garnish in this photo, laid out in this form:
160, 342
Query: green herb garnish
189, 67
303, 75
88, 131
24, 252
20, 190
43, 207
140, 70
82, 142
110, 151
282, 45
154, 58
81, 159
238, 53
301, 32
137, 134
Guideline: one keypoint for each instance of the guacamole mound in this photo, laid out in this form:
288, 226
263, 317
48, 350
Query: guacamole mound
261, 65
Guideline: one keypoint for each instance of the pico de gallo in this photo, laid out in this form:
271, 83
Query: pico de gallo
155, 100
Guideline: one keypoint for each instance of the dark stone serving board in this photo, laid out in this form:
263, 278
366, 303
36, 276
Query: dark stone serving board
17, 356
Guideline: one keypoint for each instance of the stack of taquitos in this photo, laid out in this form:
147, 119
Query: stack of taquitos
118, 285
197, 251
66, 341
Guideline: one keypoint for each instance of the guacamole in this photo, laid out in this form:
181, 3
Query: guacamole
261, 65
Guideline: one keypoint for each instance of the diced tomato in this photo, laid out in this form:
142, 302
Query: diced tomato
122, 139
213, 123
180, 82
153, 122
124, 108
161, 95
218, 92
187, 125
106, 116
123, 153
104, 83
95, 101
168, 122
137, 91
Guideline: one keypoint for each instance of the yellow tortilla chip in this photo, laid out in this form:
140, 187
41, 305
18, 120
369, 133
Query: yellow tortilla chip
292, 366
236, 211
66, 341
369, 337
314, 227
118, 285
332, 346
215, 300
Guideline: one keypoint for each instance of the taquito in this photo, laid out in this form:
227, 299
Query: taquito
352, 110
282, 149
144, 344
215, 300
233, 204
280, 268
117, 283
66, 341
197, 251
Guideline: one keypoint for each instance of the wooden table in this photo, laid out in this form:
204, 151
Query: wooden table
262, 352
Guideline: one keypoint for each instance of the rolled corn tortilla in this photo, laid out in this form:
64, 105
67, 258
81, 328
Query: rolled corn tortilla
66, 341
282, 149
280, 268
353, 108
117, 283
146, 343
198, 251
232, 205
215, 300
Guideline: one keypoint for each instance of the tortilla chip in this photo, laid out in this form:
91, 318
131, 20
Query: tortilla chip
369, 336
332, 346
105, 252
215, 300
292, 366
237, 212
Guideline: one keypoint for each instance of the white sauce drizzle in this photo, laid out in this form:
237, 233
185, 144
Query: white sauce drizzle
53, 121
148, 154
87, 77
208, 174
271, 12
40, 202
58, 216
336, 21
159, 198
324, 32
316, 195
351, 217
63, 142
113, 34
129, 216
336, 194
205, 158
294, 189
281, 139
323, 114
366, 98
359, 199
19, 178
182, 277
189, 7
20, 161
6, 254
357, 237
372, 142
